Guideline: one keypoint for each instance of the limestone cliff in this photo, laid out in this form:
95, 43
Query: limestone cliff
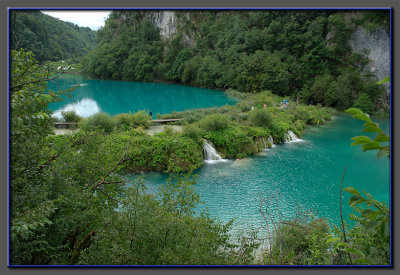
376, 46
170, 25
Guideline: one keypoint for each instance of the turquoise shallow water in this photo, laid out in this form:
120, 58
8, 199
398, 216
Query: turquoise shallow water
115, 97
303, 175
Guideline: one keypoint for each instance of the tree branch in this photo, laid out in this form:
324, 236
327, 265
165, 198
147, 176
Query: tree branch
81, 245
13, 88
102, 181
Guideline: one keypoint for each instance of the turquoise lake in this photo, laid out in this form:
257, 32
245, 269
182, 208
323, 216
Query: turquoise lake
114, 97
302, 175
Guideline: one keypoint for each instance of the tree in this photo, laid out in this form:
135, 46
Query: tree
364, 103
47, 37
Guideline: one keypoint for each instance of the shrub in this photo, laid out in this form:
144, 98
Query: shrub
300, 243
123, 121
168, 130
232, 142
312, 114
215, 122
261, 118
300, 125
100, 120
244, 106
278, 130
126, 121
235, 94
265, 98
243, 116
70, 116
141, 118
193, 132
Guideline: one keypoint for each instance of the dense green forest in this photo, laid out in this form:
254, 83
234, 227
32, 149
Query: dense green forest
70, 200
48, 38
291, 53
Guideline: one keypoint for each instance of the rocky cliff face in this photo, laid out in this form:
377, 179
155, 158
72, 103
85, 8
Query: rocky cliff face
166, 21
170, 25
376, 46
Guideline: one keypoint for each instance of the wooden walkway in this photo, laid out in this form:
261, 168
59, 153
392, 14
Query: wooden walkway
66, 124
58, 124
166, 120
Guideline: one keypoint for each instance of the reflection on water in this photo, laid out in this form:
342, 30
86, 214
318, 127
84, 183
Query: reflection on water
114, 97
84, 108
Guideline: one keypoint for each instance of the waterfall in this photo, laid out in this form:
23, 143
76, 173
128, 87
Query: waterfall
271, 141
210, 154
291, 137
265, 144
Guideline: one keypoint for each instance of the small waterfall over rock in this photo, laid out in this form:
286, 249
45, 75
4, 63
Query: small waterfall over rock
271, 141
291, 137
210, 154
265, 144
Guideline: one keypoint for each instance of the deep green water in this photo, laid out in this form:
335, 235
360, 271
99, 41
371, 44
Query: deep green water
303, 175
114, 97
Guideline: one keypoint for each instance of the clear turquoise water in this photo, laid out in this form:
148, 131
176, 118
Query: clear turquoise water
114, 97
304, 174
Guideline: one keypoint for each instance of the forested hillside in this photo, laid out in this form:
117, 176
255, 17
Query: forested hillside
49, 38
291, 53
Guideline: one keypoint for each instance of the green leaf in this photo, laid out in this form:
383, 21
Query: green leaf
360, 140
334, 239
372, 145
354, 111
352, 190
384, 80
372, 129
355, 200
382, 138
362, 116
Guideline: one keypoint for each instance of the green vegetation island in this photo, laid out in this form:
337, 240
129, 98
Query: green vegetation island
73, 200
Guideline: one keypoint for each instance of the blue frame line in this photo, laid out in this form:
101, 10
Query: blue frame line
200, 8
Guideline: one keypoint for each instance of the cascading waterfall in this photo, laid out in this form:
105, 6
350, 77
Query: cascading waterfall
291, 137
210, 154
271, 141
265, 144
